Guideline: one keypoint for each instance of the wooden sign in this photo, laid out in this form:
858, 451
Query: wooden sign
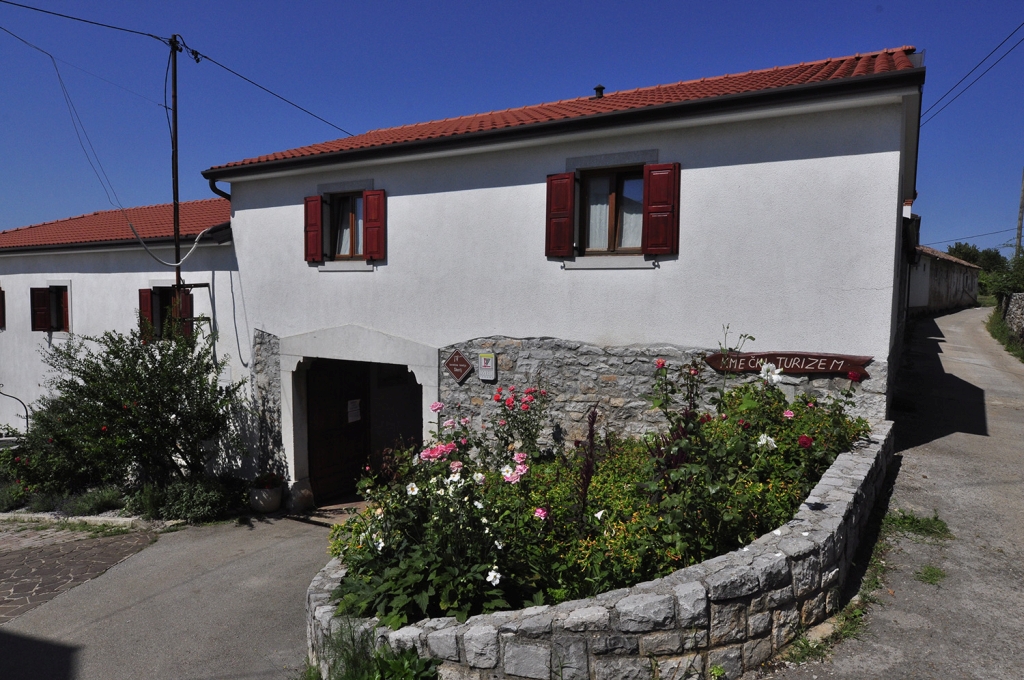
458, 365
790, 362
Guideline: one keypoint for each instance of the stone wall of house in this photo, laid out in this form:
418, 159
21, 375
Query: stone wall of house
734, 611
1012, 308
617, 380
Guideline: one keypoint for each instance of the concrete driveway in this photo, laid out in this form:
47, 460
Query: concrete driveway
960, 432
221, 601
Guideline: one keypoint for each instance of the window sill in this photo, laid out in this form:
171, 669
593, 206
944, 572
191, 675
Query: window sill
610, 262
346, 266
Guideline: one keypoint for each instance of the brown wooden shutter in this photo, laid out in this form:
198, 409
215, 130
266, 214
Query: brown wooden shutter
146, 311
374, 225
314, 229
40, 300
3, 309
65, 319
561, 215
181, 309
661, 209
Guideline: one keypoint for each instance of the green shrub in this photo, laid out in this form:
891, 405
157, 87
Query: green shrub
12, 496
355, 657
93, 502
202, 499
145, 502
482, 521
124, 409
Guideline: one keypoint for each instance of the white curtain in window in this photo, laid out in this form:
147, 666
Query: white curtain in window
358, 232
632, 206
597, 213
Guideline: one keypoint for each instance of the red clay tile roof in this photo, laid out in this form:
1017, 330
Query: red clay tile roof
931, 252
752, 81
151, 221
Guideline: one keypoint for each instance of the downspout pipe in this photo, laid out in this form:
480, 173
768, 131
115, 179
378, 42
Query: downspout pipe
217, 190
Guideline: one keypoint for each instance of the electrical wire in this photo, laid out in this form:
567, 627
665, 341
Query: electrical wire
101, 173
197, 55
1005, 54
976, 67
86, 21
935, 243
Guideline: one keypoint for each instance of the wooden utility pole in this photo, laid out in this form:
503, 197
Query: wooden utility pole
175, 48
1020, 217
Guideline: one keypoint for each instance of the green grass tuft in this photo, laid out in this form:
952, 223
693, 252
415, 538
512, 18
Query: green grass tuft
929, 574
997, 327
903, 522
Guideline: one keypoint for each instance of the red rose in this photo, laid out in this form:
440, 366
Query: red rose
497, 397
694, 371
659, 363
525, 407
530, 390
499, 389
543, 393
103, 429
706, 418
17, 459
528, 399
510, 402
805, 442
854, 376
50, 440
724, 416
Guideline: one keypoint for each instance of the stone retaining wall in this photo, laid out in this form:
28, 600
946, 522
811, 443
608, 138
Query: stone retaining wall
733, 611
618, 380
1012, 308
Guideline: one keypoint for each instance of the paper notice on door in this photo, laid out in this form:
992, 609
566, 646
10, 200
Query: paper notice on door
353, 410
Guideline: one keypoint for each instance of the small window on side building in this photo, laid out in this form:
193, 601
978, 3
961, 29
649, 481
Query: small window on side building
50, 309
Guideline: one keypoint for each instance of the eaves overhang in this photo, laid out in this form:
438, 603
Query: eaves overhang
790, 94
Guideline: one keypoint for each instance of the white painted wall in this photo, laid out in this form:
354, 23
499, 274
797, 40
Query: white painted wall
104, 295
787, 233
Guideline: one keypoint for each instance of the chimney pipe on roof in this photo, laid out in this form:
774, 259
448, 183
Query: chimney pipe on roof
598, 92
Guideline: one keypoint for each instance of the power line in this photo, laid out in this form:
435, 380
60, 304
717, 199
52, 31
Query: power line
1007, 52
86, 21
101, 174
976, 66
935, 243
197, 55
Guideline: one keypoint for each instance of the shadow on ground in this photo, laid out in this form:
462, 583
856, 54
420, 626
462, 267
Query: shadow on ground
28, 658
928, 403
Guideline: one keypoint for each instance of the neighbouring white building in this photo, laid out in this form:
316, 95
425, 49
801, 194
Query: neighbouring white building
939, 282
89, 274
575, 241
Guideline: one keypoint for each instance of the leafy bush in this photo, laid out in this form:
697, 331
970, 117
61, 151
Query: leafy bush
146, 502
124, 410
481, 521
12, 496
355, 657
197, 500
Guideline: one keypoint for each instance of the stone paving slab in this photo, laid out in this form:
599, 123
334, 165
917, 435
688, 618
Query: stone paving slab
47, 562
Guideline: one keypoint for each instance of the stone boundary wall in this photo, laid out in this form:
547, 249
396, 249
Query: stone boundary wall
1012, 309
733, 611
618, 380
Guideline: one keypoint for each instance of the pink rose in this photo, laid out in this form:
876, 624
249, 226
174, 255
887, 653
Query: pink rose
810, 404
659, 363
449, 423
464, 421
787, 414
522, 469
520, 457
455, 466
501, 423
464, 440
436, 407
540, 513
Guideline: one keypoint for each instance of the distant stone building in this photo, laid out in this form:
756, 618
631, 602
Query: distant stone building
940, 281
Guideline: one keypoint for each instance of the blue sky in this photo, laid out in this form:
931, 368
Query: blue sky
368, 65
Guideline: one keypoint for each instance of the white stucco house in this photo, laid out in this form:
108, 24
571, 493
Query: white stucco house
89, 274
575, 241
939, 282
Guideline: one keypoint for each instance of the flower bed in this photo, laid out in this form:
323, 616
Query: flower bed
483, 520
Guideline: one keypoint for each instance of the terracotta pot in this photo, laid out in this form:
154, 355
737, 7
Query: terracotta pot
265, 500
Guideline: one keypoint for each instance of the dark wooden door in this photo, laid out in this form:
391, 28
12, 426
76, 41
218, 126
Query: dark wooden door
338, 408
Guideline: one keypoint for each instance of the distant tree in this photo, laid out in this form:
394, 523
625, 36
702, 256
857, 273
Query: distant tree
991, 260
968, 252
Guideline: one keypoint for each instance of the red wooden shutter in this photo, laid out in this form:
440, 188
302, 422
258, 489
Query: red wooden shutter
314, 230
182, 309
146, 310
561, 215
3, 309
40, 300
661, 209
65, 320
374, 225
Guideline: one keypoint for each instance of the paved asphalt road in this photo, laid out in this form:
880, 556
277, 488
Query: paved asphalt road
222, 601
960, 437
